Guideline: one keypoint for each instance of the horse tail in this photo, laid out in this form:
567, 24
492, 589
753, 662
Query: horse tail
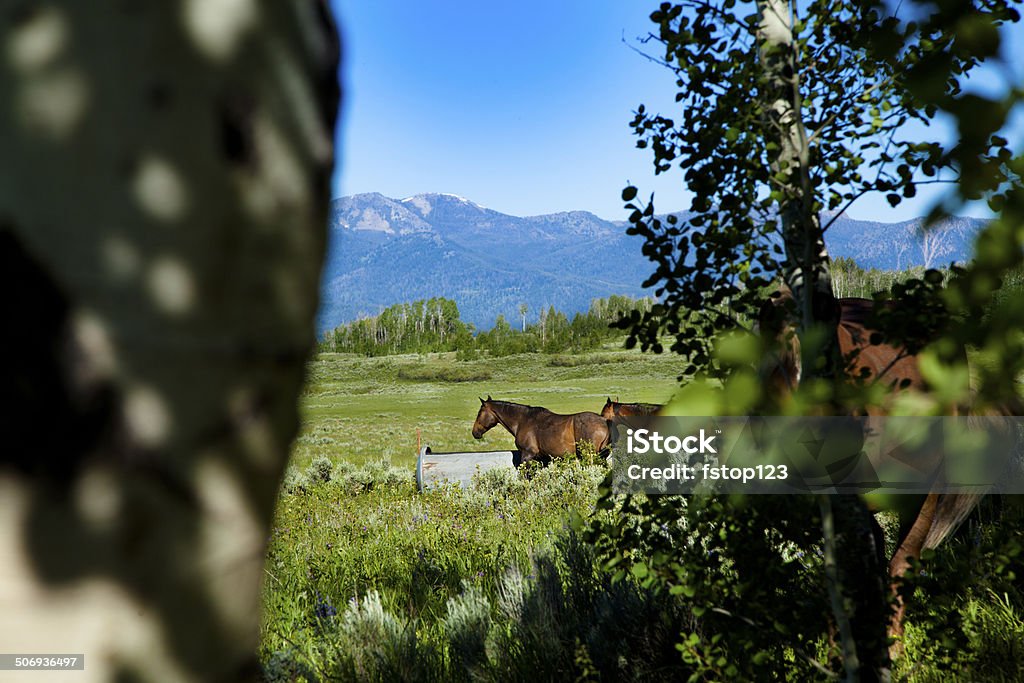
953, 508
950, 512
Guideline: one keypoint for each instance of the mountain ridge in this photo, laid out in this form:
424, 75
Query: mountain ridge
383, 251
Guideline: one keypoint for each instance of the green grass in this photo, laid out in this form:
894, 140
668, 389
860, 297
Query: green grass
355, 551
362, 529
993, 628
368, 580
361, 409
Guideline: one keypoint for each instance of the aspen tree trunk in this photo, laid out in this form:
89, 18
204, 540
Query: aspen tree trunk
854, 562
806, 270
164, 181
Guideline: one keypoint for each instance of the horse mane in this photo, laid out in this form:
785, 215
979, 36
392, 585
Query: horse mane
509, 403
644, 408
513, 405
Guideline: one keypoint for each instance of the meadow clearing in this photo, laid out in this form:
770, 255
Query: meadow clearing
368, 580
361, 409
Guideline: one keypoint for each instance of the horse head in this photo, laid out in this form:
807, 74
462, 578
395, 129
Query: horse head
608, 412
485, 418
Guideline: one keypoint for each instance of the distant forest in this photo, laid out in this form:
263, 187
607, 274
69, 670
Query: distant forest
433, 325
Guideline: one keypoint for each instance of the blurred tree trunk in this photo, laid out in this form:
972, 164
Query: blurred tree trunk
164, 182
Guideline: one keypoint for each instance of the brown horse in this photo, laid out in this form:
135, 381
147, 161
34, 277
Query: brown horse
925, 521
613, 409
781, 370
540, 433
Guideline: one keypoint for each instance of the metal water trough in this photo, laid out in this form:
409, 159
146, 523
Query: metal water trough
434, 469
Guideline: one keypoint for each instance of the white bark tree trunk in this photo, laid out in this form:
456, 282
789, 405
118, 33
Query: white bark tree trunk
807, 264
164, 171
853, 566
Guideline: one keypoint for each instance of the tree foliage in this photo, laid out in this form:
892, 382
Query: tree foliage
774, 138
423, 325
853, 97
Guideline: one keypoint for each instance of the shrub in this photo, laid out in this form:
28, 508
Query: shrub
445, 373
589, 359
319, 471
467, 626
565, 619
964, 605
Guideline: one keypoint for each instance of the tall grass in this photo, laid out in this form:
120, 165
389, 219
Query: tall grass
966, 618
444, 373
369, 581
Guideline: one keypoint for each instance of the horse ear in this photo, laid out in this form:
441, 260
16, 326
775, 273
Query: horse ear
481, 400
488, 397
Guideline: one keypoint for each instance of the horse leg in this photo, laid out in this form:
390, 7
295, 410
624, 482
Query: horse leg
612, 436
528, 454
525, 464
910, 546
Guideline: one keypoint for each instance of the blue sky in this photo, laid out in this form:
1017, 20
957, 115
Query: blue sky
522, 107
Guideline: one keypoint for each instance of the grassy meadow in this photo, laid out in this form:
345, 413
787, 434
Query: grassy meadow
362, 409
368, 580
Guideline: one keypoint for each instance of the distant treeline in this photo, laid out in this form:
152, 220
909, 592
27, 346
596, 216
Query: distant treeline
849, 279
433, 325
